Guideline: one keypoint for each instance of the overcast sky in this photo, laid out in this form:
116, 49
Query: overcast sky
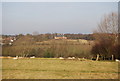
51, 17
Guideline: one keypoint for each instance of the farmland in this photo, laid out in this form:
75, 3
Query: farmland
47, 65
54, 68
27, 46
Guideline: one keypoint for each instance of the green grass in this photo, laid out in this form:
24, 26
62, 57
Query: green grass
51, 68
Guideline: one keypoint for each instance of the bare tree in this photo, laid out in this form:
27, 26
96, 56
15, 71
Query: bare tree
107, 32
109, 25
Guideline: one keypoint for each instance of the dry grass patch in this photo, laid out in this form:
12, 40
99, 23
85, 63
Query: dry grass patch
42, 68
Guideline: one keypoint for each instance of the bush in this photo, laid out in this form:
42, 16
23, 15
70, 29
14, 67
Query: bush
48, 55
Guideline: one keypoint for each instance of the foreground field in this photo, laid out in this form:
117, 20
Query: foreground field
43, 68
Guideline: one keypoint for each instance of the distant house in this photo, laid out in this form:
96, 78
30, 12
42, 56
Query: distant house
8, 40
11, 39
60, 37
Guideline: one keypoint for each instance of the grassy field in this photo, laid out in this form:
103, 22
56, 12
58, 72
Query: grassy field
52, 68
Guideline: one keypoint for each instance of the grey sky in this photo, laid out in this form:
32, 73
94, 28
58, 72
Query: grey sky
0, 18
51, 17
